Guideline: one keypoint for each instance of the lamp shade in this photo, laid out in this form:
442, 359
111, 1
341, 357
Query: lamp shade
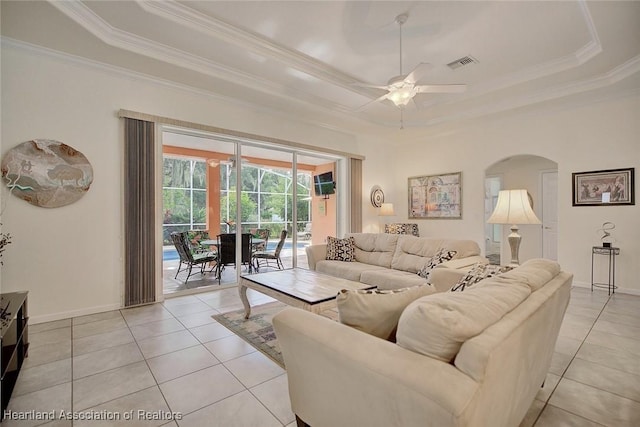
513, 207
386, 209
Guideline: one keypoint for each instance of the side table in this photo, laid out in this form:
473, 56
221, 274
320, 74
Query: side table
611, 277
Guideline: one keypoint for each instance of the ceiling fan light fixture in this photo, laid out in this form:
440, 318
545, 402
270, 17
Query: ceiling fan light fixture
402, 96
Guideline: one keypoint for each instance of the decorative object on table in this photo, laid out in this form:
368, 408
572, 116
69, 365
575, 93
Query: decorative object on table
513, 208
606, 238
47, 173
436, 196
603, 188
377, 196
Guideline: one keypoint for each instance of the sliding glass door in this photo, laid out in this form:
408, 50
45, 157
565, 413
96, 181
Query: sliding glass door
215, 186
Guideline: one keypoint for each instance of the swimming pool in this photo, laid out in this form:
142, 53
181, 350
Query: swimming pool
170, 254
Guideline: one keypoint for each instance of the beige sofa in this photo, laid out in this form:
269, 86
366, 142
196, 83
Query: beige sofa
392, 261
340, 376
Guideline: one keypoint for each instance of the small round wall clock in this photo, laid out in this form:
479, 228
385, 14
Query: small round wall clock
377, 196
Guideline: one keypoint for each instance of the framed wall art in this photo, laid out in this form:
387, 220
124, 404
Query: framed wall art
46, 173
604, 188
436, 196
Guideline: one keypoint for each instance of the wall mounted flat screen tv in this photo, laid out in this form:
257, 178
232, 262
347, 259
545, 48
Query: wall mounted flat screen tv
324, 184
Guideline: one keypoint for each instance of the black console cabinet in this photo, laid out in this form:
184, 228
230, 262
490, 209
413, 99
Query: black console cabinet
14, 338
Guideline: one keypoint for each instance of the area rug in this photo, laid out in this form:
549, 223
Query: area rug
257, 330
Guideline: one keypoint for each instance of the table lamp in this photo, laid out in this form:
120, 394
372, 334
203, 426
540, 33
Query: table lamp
513, 208
386, 209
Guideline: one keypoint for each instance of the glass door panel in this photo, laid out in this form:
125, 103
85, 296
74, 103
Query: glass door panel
267, 209
196, 186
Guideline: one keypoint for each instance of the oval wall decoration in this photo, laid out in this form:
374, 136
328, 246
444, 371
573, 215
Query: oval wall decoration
46, 173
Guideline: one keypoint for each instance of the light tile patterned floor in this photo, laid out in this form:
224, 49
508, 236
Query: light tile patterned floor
175, 357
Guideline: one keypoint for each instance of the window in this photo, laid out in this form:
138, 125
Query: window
184, 196
266, 198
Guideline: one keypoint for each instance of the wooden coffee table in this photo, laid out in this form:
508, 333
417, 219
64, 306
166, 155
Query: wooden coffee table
297, 287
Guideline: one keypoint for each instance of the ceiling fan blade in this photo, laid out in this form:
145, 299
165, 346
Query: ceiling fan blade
440, 88
382, 98
372, 86
417, 73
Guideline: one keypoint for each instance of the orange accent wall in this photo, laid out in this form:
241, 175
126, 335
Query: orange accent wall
323, 217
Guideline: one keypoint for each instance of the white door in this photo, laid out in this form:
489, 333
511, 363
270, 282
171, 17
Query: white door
550, 215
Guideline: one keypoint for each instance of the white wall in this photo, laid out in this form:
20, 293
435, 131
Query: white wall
71, 258
602, 135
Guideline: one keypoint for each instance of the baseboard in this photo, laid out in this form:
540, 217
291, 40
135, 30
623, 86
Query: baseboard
33, 320
619, 290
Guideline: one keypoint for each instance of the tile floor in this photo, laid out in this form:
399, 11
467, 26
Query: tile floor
175, 357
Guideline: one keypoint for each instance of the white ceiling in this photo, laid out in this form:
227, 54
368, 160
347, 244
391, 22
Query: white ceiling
303, 58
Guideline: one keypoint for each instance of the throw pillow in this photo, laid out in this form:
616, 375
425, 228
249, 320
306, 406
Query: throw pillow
341, 249
377, 312
441, 256
478, 272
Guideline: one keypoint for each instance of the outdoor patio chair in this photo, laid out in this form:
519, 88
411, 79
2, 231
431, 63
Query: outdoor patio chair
261, 233
188, 258
306, 233
227, 251
261, 257
195, 237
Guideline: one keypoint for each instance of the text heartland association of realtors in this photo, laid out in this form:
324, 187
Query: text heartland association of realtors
92, 415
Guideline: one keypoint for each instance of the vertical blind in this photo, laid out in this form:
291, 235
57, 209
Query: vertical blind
139, 211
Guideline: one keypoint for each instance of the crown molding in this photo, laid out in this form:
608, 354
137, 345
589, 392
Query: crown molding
119, 72
254, 42
608, 78
115, 37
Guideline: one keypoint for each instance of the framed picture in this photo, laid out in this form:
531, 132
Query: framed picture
604, 188
436, 196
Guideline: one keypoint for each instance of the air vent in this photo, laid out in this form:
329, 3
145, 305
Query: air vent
465, 60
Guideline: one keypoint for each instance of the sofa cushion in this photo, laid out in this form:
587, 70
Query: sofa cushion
477, 273
346, 270
534, 272
438, 324
340, 249
411, 252
377, 312
375, 248
391, 279
441, 256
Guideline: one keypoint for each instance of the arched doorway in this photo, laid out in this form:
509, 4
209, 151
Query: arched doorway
538, 175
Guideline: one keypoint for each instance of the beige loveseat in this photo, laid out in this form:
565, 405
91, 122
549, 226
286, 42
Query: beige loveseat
392, 261
472, 358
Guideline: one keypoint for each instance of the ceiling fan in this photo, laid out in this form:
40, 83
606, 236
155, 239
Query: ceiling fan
402, 89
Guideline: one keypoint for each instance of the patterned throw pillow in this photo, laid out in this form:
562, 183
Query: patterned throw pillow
441, 256
478, 272
341, 249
